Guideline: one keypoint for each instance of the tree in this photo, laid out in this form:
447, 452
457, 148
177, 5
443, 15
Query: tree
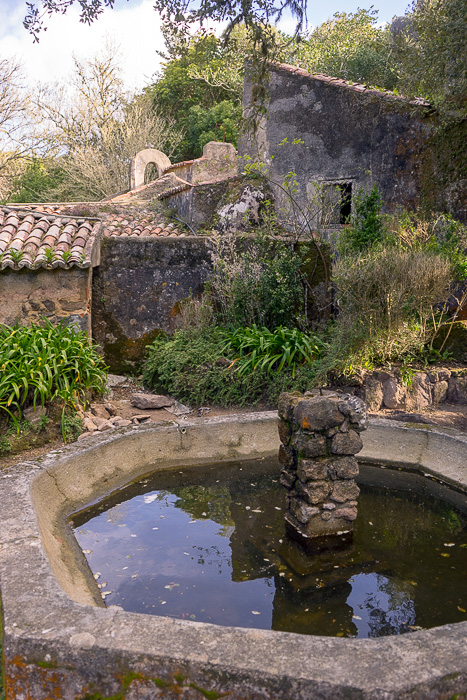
17, 140
198, 75
349, 46
432, 55
96, 128
257, 15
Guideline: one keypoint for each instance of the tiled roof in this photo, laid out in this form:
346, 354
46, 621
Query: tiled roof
131, 225
356, 87
43, 237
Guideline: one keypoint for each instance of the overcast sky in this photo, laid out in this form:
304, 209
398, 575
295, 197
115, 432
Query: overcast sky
133, 26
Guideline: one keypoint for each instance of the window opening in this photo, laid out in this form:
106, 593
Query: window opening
337, 203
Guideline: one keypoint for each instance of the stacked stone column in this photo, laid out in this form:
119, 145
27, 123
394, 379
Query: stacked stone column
320, 437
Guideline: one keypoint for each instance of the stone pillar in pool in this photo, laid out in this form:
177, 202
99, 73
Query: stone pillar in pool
320, 436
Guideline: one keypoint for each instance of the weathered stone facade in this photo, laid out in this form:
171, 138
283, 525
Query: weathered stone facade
337, 137
137, 290
58, 295
320, 437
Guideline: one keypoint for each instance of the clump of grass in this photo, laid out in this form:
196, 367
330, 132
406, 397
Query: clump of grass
259, 348
46, 364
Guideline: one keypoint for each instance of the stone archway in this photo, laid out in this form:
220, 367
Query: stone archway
142, 160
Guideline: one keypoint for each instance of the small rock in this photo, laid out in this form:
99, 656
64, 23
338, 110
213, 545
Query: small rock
346, 513
346, 443
122, 422
115, 380
86, 435
344, 490
89, 424
105, 425
141, 417
34, 416
287, 478
151, 401
178, 409
100, 411
110, 408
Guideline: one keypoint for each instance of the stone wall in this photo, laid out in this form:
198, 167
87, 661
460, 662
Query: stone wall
138, 287
410, 391
340, 134
137, 290
30, 295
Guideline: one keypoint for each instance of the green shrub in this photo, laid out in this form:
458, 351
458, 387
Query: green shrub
366, 226
72, 427
385, 300
192, 366
43, 364
260, 348
257, 281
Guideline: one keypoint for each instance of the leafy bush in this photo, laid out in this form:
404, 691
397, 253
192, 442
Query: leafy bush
260, 348
256, 282
385, 300
192, 366
366, 226
46, 363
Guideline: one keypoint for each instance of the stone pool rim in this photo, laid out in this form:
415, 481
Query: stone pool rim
58, 647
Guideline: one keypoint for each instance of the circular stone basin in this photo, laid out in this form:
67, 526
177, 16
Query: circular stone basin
59, 639
212, 547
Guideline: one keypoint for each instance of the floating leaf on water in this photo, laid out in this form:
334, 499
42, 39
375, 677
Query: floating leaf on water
340, 634
247, 508
87, 551
155, 528
187, 554
204, 514
356, 617
277, 508
133, 535
192, 617
171, 586
449, 544
370, 523
445, 554
163, 602
255, 612
192, 521
461, 609
105, 593
463, 545
257, 511
97, 574
124, 568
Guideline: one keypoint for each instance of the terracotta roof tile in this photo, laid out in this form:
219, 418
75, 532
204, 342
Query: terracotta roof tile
356, 87
41, 236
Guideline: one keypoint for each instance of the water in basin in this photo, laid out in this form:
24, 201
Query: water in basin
208, 544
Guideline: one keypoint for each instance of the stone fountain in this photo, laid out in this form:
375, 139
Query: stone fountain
320, 436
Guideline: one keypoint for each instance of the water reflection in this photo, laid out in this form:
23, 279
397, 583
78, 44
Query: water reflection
217, 553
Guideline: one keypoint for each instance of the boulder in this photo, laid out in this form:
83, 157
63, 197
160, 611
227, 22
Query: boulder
148, 402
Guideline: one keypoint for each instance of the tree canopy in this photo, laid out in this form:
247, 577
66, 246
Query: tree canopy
254, 14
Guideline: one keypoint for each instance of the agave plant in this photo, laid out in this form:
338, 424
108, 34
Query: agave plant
272, 350
45, 363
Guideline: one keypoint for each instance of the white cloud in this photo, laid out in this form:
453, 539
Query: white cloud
134, 28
